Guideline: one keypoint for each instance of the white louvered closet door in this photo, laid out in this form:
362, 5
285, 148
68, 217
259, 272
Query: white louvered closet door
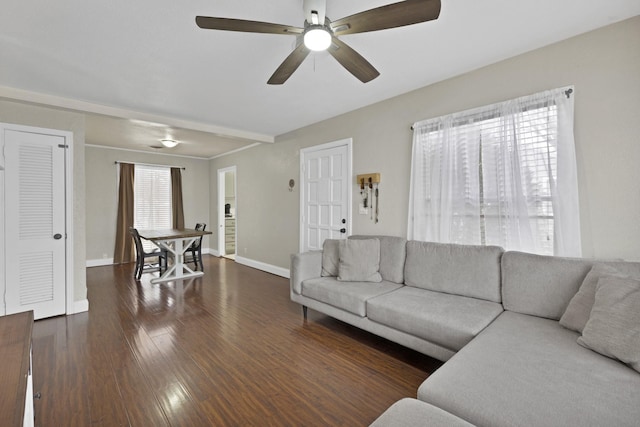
35, 223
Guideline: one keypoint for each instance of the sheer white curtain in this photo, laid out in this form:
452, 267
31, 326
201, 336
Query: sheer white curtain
503, 174
566, 203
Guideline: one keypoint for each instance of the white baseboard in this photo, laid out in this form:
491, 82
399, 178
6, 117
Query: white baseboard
99, 262
79, 306
109, 261
278, 271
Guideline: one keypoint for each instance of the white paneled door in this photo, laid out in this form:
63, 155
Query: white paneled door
325, 194
35, 261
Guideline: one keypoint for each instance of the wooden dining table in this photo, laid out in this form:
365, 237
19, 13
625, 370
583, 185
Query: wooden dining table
176, 242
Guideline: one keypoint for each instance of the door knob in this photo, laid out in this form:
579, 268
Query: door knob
343, 230
344, 221
57, 236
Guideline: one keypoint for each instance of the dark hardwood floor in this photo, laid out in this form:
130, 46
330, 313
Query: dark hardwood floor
227, 349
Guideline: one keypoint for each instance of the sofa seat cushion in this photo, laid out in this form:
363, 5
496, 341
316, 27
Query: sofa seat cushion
409, 412
448, 320
529, 371
349, 296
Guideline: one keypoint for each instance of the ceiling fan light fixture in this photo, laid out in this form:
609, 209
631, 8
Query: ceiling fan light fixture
317, 38
169, 143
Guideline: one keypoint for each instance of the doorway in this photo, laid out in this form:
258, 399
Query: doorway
325, 193
227, 212
36, 253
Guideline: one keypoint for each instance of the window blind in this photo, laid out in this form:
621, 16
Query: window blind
531, 136
152, 199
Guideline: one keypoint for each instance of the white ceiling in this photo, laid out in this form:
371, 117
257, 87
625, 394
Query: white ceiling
147, 60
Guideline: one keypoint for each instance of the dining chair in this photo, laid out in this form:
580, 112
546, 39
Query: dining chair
142, 255
196, 247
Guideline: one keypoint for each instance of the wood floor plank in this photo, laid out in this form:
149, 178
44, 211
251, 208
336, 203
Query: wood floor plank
64, 373
226, 349
194, 379
140, 402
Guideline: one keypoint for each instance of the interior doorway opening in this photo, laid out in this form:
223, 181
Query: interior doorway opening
227, 212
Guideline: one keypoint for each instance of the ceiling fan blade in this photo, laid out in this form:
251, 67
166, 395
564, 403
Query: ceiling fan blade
390, 16
229, 24
289, 65
352, 61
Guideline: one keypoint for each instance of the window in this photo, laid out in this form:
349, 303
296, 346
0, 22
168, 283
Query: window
490, 176
152, 199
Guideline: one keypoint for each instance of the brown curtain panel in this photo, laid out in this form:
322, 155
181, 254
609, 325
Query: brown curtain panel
176, 198
124, 251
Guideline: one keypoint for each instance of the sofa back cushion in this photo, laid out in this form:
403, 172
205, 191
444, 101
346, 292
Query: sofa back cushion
540, 285
467, 270
544, 285
393, 252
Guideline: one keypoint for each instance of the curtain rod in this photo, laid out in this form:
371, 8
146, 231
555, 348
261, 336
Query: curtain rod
567, 93
151, 164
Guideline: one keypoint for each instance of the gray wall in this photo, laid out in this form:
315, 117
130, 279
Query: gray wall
266, 212
102, 193
604, 66
32, 115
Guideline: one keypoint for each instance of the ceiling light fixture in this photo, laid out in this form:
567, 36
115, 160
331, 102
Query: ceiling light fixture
169, 143
316, 36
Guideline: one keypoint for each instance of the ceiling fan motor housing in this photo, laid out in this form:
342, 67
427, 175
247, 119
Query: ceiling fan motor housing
317, 6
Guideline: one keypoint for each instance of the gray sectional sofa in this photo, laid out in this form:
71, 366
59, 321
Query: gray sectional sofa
499, 319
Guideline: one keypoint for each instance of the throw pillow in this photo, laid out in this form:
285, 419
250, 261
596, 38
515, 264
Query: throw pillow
359, 261
330, 258
577, 312
613, 328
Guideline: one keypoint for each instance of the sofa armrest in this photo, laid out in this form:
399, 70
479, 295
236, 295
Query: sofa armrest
305, 265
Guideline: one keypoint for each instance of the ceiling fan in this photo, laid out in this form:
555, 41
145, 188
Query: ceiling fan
320, 33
